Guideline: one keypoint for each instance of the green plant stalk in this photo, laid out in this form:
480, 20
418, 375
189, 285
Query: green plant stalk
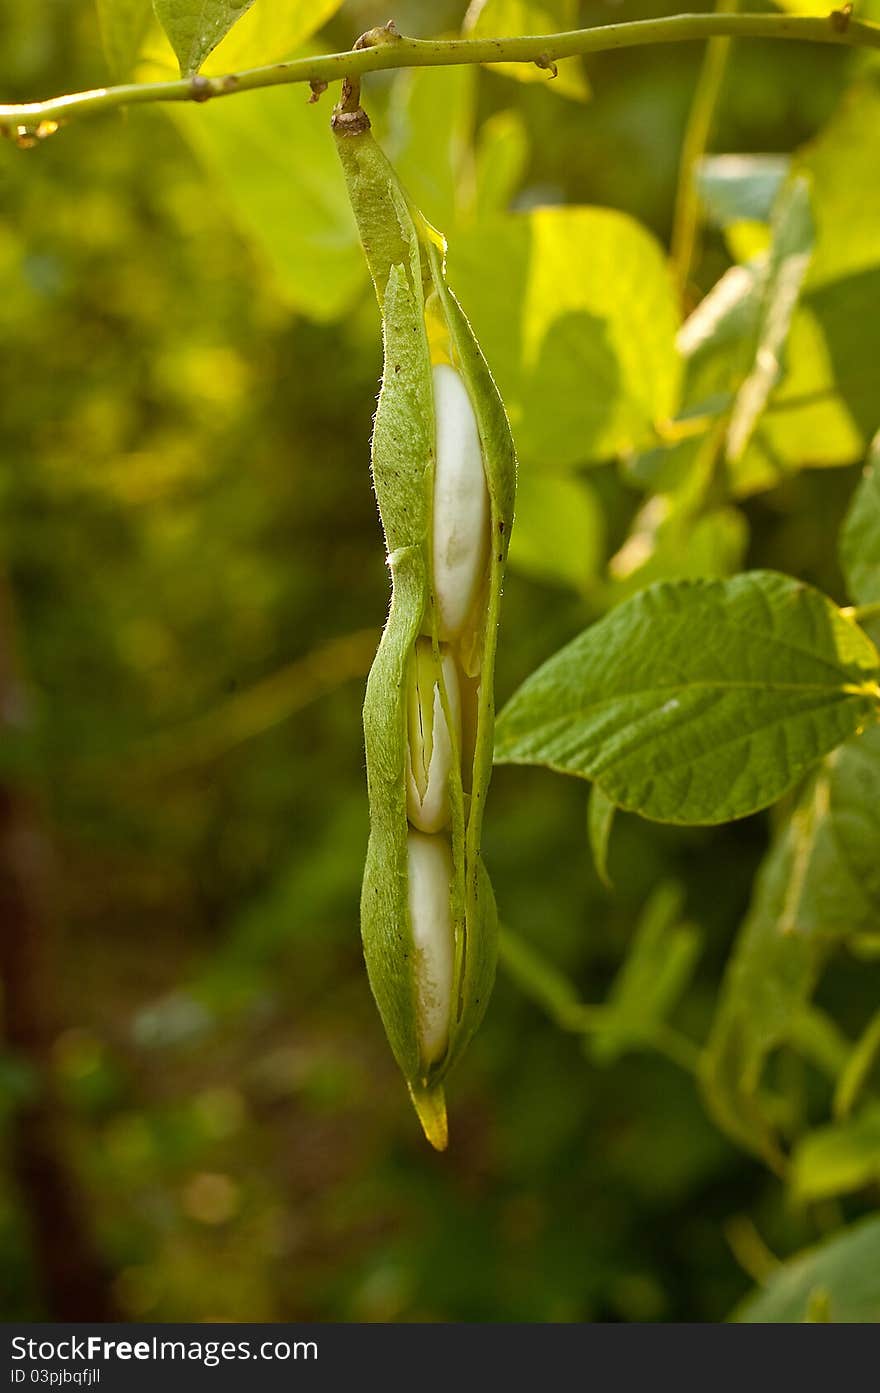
698, 132
31, 121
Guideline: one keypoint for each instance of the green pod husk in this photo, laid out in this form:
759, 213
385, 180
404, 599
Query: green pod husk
424, 324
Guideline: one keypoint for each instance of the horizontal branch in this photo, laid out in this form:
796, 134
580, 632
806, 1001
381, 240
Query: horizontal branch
31, 121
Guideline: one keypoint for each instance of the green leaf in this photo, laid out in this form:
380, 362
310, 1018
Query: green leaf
273, 160
600, 819
501, 158
842, 164
653, 977
838, 1159
698, 701
576, 309
559, 529
195, 27
846, 1268
123, 26
429, 140
269, 32
860, 535
737, 188
781, 283
496, 18
808, 895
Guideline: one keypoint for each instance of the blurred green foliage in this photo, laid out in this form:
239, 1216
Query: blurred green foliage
191, 362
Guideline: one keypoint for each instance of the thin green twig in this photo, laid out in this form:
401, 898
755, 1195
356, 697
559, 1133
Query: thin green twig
698, 132
31, 121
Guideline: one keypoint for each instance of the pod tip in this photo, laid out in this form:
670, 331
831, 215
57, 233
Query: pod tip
430, 1105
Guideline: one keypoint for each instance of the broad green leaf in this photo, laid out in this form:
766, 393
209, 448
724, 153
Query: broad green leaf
698, 701
495, 18
653, 977
577, 315
273, 159
269, 32
429, 139
781, 282
501, 157
846, 1268
123, 26
195, 27
838, 1159
740, 188
807, 896
860, 535
600, 819
559, 529
843, 167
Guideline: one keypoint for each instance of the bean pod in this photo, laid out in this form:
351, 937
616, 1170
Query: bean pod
444, 474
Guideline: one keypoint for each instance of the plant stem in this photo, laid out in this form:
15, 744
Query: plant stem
31, 121
698, 131
862, 612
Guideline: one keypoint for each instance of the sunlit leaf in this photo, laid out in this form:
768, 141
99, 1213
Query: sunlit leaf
429, 139
269, 32
272, 157
195, 27
502, 152
842, 166
576, 312
559, 529
496, 18
123, 26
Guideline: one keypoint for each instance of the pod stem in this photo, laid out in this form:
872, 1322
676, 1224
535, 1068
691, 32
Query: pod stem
349, 116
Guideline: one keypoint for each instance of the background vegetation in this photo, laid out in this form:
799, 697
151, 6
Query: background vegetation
200, 1116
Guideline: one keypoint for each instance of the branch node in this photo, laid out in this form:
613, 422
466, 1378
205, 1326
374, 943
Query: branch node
201, 89
544, 60
840, 18
316, 90
382, 34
